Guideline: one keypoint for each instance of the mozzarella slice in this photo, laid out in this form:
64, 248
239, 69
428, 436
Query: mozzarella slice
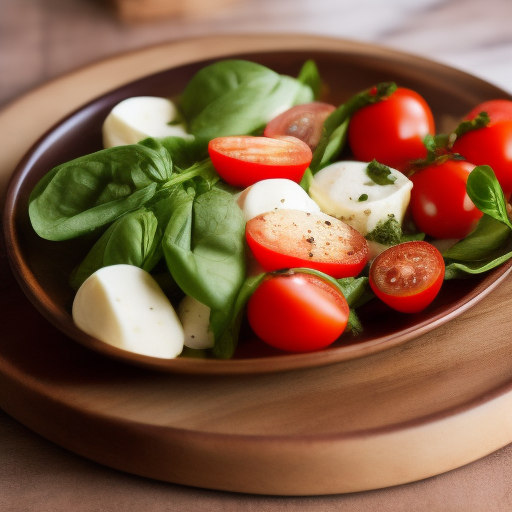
123, 306
344, 190
140, 117
268, 195
195, 318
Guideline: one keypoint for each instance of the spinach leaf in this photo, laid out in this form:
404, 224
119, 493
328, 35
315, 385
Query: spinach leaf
226, 324
90, 192
335, 127
485, 192
236, 97
133, 240
204, 246
185, 152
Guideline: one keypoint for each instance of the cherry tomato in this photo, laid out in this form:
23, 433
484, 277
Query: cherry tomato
408, 276
297, 312
244, 160
292, 238
491, 145
440, 205
391, 131
302, 121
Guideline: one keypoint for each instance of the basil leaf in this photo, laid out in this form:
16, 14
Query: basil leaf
485, 192
310, 76
90, 192
204, 246
306, 180
133, 240
236, 97
356, 290
335, 127
185, 152
489, 235
226, 326
380, 174
456, 270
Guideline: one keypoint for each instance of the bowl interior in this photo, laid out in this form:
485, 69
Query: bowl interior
43, 268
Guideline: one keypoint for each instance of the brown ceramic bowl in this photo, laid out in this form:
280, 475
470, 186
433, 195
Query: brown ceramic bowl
42, 268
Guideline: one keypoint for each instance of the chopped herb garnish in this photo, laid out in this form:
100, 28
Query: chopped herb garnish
363, 197
380, 174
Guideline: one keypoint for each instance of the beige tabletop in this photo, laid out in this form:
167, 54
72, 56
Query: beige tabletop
40, 41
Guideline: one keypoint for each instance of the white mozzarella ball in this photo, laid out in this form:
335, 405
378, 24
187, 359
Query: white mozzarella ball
123, 306
344, 190
195, 318
275, 194
140, 117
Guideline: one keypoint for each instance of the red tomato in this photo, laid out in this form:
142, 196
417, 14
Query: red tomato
297, 312
244, 160
291, 239
408, 276
497, 110
391, 131
440, 205
302, 121
491, 145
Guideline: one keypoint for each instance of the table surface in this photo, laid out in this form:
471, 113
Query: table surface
41, 40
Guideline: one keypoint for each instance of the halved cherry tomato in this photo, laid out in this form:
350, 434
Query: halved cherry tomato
297, 312
492, 144
302, 121
292, 238
408, 276
244, 160
392, 130
439, 204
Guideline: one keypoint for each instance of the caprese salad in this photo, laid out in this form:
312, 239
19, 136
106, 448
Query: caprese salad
248, 197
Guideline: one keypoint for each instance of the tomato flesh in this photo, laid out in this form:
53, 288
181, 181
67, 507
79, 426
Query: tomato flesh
408, 276
291, 238
302, 121
297, 312
242, 161
440, 205
392, 130
497, 110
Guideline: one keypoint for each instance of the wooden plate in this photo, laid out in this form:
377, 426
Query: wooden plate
415, 410
43, 268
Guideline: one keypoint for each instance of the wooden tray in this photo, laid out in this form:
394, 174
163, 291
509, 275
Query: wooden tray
435, 403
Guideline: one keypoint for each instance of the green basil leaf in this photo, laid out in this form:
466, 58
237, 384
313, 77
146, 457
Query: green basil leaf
390, 233
236, 97
185, 152
90, 192
485, 192
226, 326
306, 180
489, 235
457, 270
335, 127
133, 240
310, 76
204, 246
380, 174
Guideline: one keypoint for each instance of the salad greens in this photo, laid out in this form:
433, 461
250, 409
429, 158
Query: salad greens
161, 203
236, 97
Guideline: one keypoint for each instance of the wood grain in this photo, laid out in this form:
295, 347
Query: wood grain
430, 405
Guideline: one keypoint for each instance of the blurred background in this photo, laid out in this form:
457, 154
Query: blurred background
43, 39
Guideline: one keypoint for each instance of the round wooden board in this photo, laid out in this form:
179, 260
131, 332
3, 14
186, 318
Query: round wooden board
433, 404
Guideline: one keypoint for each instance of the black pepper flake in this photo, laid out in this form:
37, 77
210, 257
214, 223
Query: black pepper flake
310, 239
310, 254
328, 222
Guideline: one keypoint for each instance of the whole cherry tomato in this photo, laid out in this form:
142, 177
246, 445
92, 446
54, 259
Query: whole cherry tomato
440, 205
292, 238
407, 276
491, 145
302, 121
244, 160
297, 312
392, 130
